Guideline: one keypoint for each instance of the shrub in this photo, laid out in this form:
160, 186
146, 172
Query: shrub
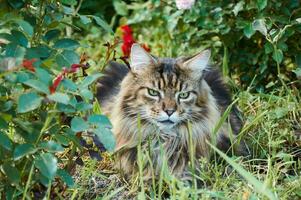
253, 41
48, 114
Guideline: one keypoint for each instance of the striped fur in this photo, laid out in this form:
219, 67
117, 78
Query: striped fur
129, 104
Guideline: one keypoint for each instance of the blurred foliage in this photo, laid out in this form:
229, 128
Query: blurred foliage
253, 41
49, 117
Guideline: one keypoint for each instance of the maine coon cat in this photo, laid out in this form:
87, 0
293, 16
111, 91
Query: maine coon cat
171, 99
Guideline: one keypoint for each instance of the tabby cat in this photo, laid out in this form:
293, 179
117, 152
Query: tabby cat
160, 103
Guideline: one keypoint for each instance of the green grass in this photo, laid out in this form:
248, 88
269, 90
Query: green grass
271, 128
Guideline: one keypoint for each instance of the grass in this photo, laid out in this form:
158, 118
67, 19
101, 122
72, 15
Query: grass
273, 131
271, 128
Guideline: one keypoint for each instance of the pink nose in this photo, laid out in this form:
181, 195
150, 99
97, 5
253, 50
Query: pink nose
169, 112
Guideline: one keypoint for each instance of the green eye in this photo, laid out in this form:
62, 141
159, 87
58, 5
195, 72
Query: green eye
184, 95
152, 92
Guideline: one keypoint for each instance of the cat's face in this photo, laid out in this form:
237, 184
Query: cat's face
168, 91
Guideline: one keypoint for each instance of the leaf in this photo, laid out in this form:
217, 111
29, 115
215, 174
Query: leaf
89, 80
16, 51
3, 123
268, 48
25, 26
259, 186
248, 30
78, 124
38, 85
5, 142
66, 43
47, 164
106, 137
20, 38
41, 51
51, 146
69, 85
277, 55
23, 150
66, 177
12, 173
67, 58
238, 7
100, 120
261, 4
43, 75
259, 25
28, 102
84, 19
103, 24
59, 97
120, 7
51, 34
69, 2
86, 94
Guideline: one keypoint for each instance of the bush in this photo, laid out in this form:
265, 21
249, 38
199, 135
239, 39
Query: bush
48, 114
253, 41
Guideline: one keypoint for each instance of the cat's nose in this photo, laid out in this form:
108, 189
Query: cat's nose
169, 112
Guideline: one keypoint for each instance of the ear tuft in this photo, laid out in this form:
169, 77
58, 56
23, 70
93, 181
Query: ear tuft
199, 62
140, 59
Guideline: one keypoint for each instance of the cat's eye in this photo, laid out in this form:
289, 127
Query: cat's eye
152, 92
184, 95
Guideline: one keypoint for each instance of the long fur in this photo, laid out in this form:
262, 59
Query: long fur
119, 92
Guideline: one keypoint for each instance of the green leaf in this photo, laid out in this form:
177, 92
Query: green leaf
67, 58
16, 4
38, 85
103, 24
89, 80
25, 26
59, 97
5, 142
268, 48
51, 146
43, 75
41, 51
28, 102
248, 30
259, 186
83, 106
47, 164
261, 4
106, 137
51, 34
69, 85
12, 173
86, 94
69, 2
23, 150
20, 38
259, 25
100, 121
278, 55
84, 19
78, 124
16, 51
3, 123
120, 7
66, 43
65, 176
238, 7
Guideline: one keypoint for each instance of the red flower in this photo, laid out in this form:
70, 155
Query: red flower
128, 40
28, 64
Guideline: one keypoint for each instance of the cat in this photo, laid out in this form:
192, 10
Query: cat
160, 103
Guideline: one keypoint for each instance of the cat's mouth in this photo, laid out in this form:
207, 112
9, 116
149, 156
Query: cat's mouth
167, 122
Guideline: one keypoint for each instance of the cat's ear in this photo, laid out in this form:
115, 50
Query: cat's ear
140, 59
199, 62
